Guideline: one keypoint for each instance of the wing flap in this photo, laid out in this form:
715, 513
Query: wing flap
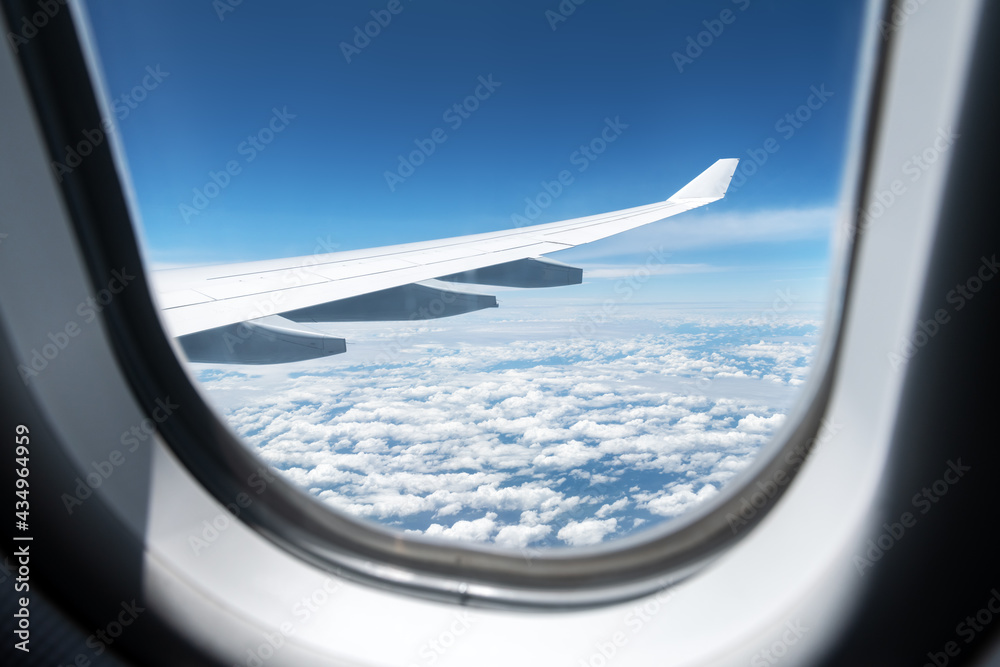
526, 273
268, 340
417, 301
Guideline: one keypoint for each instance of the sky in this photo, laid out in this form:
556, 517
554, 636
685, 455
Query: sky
681, 83
568, 416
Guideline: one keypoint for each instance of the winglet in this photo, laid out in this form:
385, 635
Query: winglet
711, 183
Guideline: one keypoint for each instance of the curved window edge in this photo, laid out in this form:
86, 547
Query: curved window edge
97, 196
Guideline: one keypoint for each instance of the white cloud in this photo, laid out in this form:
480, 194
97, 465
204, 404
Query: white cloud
464, 435
479, 530
679, 499
521, 536
616, 506
754, 424
565, 455
585, 533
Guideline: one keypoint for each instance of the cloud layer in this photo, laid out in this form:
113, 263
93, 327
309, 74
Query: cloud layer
514, 429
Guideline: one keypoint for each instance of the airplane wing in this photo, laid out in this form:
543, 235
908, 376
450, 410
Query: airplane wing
260, 312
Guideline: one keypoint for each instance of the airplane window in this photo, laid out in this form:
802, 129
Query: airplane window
486, 389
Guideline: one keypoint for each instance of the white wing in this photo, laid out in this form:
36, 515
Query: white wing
230, 312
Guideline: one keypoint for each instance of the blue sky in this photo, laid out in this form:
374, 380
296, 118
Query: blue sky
322, 177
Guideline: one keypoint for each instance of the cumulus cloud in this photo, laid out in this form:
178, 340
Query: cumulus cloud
557, 440
479, 530
754, 424
611, 508
587, 532
679, 498
521, 536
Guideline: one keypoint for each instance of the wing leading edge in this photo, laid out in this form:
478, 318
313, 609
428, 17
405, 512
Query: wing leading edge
227, 313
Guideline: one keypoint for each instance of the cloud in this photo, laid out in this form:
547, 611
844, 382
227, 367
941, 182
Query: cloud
679, 499
588, 532
616, 506
521, 536
570, 454
479, 530
754, 424
549, 441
